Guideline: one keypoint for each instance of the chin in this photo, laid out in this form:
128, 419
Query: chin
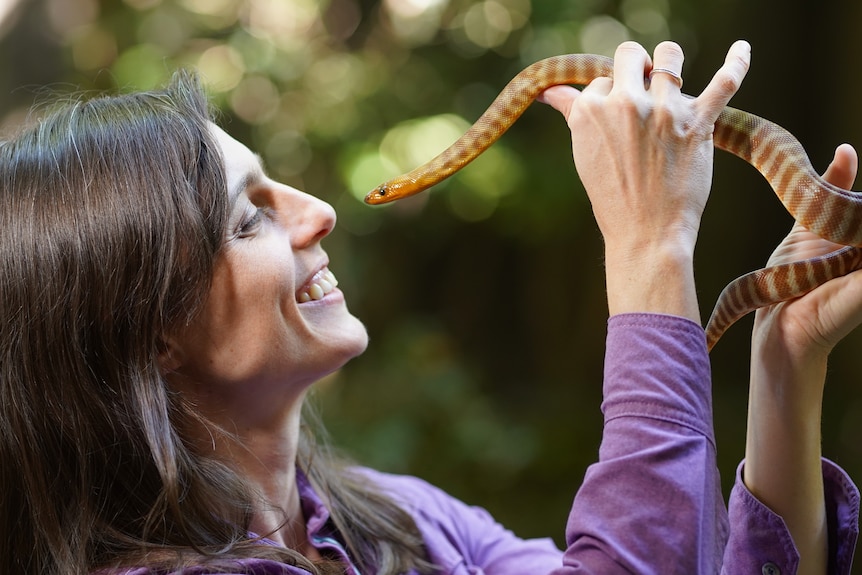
360, 339
352, 340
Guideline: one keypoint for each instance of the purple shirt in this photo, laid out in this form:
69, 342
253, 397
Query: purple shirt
652, 503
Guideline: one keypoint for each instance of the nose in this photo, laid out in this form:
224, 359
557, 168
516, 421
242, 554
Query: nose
310, 219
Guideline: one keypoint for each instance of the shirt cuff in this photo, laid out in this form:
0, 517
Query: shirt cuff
759, 538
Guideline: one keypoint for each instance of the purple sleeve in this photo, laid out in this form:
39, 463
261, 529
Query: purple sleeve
760, 542
652, 503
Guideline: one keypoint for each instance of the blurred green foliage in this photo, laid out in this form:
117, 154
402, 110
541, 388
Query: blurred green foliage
484, 297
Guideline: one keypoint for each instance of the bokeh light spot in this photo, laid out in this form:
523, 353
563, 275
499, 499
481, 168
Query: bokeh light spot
67, 16
602, 34
93, 48
255, 99
487, 24
221, 67
143, 67
287, 153
366, 170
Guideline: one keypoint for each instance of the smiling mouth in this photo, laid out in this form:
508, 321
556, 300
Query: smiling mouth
321, 284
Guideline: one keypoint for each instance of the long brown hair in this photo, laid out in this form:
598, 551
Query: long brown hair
112, 212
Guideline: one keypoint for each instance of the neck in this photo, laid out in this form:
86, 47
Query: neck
264, 453
266, 457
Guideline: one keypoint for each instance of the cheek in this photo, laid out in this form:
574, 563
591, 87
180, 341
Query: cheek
249, 290
243, 325
236, 345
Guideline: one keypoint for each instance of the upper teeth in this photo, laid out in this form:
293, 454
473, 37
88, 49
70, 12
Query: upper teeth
321, 284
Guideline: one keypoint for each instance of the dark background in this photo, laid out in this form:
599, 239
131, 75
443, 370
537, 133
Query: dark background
484, 298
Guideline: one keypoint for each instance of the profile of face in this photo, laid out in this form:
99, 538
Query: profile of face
273, 321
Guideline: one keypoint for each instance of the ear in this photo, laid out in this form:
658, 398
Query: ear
170, 357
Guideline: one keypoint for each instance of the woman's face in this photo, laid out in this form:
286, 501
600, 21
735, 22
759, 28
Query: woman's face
273, 322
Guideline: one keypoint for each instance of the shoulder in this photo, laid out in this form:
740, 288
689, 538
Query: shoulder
420, 498
464, 538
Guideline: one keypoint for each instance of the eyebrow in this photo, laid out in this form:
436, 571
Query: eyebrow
251, 177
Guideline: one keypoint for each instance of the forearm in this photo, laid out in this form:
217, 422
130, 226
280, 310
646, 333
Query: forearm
783, 457
791, 342
652, 503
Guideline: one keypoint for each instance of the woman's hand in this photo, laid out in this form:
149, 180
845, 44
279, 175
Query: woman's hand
644, 152
808, 328
790, 344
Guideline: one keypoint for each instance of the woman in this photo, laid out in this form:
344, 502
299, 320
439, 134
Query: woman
166, 307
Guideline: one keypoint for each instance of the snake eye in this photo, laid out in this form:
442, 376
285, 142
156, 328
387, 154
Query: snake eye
381, 191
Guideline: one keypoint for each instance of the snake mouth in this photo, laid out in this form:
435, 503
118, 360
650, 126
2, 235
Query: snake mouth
377, 195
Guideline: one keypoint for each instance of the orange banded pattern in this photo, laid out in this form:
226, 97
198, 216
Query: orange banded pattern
829, 211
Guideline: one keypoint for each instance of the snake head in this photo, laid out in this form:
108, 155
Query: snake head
377, 195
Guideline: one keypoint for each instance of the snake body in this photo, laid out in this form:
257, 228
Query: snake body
831, 212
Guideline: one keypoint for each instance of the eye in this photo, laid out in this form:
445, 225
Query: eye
251, 223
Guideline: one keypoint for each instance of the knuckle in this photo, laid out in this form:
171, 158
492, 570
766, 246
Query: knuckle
729, 83
663, 113
667, 122
625, 102
585, 106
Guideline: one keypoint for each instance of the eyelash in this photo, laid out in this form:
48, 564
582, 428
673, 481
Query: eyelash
251, 223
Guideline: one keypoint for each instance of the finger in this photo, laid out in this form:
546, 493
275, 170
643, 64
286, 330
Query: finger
725, 82
631, 64
842, 170
666, 74
561, 98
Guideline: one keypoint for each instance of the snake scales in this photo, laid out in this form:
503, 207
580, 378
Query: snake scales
831, 212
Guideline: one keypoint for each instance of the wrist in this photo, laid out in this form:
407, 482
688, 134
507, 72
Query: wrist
789, 376
652, 278
775, 340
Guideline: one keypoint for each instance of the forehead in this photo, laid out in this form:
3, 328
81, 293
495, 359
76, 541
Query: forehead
241, 164
236, 155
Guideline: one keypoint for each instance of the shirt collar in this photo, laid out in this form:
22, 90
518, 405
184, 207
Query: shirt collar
313, 509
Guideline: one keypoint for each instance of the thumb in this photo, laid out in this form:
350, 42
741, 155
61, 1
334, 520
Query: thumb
560, 98
842, 170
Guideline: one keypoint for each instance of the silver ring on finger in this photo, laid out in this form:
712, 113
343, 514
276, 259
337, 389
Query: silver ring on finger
669, 72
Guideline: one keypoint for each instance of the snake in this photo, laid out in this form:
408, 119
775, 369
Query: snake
829, 211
